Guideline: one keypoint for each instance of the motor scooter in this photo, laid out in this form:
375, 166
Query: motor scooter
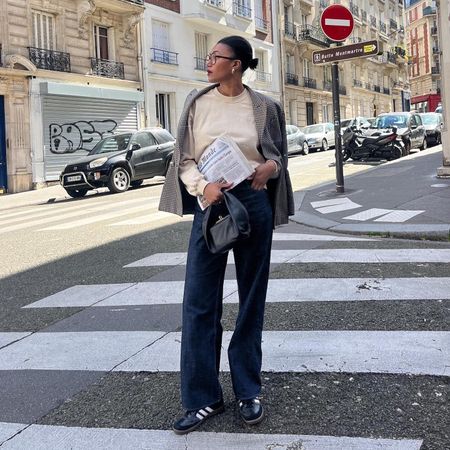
357, 146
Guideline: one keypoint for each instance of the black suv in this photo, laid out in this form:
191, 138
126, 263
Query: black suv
120, 161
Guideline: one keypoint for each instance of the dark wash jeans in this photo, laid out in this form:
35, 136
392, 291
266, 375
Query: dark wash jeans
202, 307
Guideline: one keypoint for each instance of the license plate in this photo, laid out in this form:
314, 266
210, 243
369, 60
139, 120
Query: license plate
73, 178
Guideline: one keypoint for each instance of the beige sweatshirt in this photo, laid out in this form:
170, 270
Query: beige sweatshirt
216, 114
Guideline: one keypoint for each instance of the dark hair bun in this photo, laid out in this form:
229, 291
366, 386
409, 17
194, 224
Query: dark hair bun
253, 63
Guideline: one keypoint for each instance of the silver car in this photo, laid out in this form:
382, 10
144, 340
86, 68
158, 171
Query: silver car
320, 136
296, 140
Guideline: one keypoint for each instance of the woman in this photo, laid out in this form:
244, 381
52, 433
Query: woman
256, 123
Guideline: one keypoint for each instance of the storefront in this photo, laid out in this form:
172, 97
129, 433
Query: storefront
425, 103
68, 120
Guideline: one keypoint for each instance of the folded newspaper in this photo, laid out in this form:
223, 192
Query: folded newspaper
223, 162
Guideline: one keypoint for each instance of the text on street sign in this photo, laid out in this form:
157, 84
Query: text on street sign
344, 52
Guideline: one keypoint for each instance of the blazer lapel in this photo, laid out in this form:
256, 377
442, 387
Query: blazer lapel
260, 113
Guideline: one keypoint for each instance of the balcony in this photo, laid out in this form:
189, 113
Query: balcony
263, 77
327, 86
342, 90
434, 31
386, 91
393, 25
323, 4
216, 3
391, 57
376, 88
261, 24
429, 11
164, 56
373, 22
291, 79
364, 16
107, 68
368, 86
242, 11
436, 51
354, 9
357, 83
200, 63
435, 70
49, 59
383, 28
313, 34
290, 30
355, 40
136, 2
309, 83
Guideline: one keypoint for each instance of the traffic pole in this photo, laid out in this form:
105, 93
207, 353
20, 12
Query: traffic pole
337, 128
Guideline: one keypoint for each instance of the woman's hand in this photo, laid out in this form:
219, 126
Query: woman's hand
213, 192
262, 174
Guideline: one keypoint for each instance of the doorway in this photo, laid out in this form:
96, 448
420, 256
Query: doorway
309, 113
3, 171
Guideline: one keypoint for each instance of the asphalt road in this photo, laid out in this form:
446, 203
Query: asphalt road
350, 350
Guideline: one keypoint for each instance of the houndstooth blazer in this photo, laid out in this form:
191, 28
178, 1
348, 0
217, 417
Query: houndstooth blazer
271, 129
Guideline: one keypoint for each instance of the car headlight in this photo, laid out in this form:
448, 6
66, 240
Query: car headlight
97, 162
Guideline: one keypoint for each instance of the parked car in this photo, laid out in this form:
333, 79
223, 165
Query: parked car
319, 136
359, 122
409, 128
433, 123
439, 109
120, 161
296, 140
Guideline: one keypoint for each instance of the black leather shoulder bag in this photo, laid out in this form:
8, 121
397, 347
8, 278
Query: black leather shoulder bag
225, 224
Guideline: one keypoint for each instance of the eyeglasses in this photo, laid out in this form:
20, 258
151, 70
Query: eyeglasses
212, 58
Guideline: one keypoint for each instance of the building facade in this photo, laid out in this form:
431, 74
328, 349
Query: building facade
70, 73
368, 86
179, 35
425, 53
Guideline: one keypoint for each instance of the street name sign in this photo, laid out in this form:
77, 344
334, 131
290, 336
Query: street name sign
337, 22
344, 52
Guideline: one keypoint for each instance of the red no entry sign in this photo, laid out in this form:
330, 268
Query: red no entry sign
337, 22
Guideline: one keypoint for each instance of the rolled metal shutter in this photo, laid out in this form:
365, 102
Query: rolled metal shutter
73, 125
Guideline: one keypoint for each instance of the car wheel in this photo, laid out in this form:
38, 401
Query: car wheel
136, 183
76, 193
119, 180
424, 144
305, 148
324, 145
438, 138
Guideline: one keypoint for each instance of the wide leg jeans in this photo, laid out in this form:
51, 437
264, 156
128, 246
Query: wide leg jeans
201, 340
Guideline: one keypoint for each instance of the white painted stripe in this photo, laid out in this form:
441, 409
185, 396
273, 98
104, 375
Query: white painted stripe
333, 201
8, 430
368, 214
319, 256
399, 216
279, 290
48, 437
316, 237
338, 22
60, 217
411, 352
99, 351
150, 218
120, 211
7, 338
341, 207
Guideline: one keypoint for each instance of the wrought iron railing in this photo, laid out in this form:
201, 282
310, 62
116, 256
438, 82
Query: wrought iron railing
290, 30
216, 3
200, 63
323, 4
137, 2
386, 91
434, 30
264, 77
261, 24
49, 59
383, 28
357, 83
164, 56
342, 90
364, 15
376, 88
327, 86
354, 9
436, 50
309, 83
368, 85
429, 10
373, 21
292, 79
355, 39
391, 57
107, 68
241, 10
313, 34
435, 70
393, 24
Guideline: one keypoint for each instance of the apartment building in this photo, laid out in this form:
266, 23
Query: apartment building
69, 74
368, 86
179, 35
425, 50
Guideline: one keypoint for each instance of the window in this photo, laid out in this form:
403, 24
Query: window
260, 14
43, 30
163, 110
290, 64
163, 136
160, 35
306, 68
101, 43
201, 45
144, 140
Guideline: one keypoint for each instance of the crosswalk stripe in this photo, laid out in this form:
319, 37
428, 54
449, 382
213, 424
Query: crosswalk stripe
60, 217
279, 290
399, 216
155, 217
44, 437
8, 338
334, 205
316, 237
363, 256
368, 214
399, 352
147, 206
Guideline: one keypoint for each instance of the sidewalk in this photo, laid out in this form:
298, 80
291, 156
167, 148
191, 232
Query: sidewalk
402, 198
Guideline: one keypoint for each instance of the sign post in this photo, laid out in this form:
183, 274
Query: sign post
337, 25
